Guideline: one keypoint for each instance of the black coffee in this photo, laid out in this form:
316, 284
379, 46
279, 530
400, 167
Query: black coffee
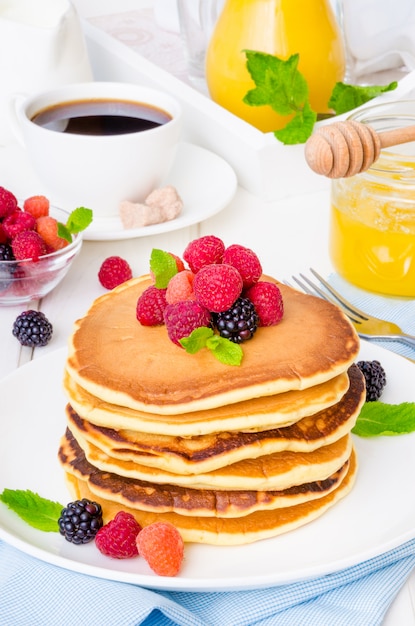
101, 117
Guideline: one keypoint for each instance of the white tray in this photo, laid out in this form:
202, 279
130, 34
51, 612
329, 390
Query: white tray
262, 164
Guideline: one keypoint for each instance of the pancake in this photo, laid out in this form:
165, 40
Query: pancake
228, 454
184, 501
205, 453
226, 531
251, 415
119, 361
271, 472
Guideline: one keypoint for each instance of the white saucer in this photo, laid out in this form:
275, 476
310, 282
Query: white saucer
205, 182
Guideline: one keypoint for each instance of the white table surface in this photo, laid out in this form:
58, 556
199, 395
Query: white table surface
289, 235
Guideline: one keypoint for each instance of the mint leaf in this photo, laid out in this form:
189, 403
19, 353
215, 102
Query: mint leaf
378, 418
77, 221
163, 266
64, 232
197, 339
36, 511
344, 97
299, 129
280, 85
224, 350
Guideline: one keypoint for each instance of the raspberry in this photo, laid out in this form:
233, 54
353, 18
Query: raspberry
179, 262
204, 251
80, 521
267, 299
47, 227
161, 545
375, 378
150, 306
3, 237
17, 222
28, 245
114, 271
181, 318
38, 206
217, 287
180, 287
245, 261
117, 539
8, 202
32, 328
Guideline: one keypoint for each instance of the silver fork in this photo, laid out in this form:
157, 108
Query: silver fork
368, 327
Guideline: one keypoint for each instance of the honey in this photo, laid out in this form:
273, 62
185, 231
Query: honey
372, 222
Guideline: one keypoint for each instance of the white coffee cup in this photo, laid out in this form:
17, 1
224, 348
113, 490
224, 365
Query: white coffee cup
98, 171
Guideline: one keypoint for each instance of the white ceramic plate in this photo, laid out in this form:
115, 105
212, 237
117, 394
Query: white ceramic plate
205, 182
376, 516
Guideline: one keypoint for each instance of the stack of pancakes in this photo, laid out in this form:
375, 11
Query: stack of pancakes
228, 454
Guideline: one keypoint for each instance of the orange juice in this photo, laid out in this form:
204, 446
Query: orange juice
282, 28
372, 228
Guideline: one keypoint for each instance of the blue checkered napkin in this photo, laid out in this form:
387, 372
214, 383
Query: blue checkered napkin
398, 310
33, 593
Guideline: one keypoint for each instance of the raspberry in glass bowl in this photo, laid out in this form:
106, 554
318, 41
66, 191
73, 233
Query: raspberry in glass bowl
30, 269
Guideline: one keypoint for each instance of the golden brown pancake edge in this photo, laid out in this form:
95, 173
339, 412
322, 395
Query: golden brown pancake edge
139, 367
203, 453
224, 531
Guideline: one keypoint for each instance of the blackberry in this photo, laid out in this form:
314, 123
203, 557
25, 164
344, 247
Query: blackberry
6, 252
6, 269
32, 328
375, 378
80, 521
239, 322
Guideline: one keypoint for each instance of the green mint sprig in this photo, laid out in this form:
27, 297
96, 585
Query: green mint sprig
378, 418
344, 97
77, 221
163, 266
223, 349
36, 511
280, 85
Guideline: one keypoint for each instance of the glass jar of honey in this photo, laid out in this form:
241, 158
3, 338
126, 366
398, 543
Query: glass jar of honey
372, 221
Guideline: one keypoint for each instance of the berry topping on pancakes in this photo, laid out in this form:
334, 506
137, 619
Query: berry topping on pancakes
246, 262
267, 300
182, 318
150, 306
217, 286
220, 293
204, 251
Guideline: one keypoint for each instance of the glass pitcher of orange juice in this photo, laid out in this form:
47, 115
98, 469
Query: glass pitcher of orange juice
372, 221
281, 28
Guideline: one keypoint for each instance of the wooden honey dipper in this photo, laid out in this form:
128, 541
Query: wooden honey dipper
347, 148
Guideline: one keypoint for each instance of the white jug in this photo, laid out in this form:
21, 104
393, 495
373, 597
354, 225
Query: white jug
41, 45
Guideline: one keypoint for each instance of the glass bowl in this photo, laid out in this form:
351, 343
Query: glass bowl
26, 280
